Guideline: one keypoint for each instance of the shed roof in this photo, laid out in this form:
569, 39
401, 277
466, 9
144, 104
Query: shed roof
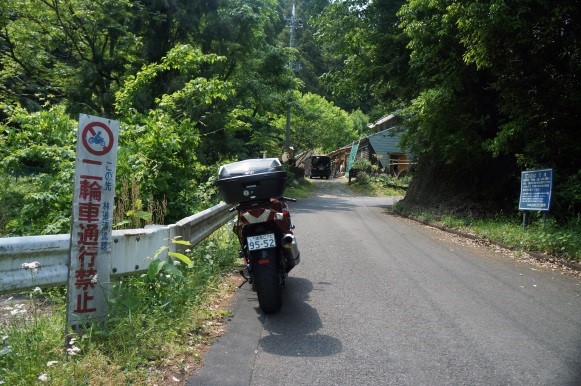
384, 122
385, 142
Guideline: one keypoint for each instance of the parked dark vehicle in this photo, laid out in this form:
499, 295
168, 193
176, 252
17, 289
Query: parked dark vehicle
263, 225
320, 166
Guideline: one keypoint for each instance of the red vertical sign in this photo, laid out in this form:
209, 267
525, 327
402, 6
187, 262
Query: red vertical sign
91, 230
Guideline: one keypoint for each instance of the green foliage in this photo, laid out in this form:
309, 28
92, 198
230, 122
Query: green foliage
439, 125
318, 124
41, 147
189, 89
539, 88
11, 195
365, 53
159, 147
378, 185
568, 194
299, 188
52, 43
362, 164
41, 142
360, 122
486, 88
191, 84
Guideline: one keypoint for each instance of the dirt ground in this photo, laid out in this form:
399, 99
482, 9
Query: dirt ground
335, 187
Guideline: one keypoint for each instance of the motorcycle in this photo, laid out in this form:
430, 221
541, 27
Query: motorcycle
263, 225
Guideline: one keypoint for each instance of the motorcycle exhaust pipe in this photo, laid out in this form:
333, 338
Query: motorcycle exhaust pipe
290, 250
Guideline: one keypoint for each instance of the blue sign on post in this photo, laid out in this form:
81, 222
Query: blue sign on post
535, 190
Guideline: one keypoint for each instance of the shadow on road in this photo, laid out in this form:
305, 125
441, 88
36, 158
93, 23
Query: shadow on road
317, 204
293, 330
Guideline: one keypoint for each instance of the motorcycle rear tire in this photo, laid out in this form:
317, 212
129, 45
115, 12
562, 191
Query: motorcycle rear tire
267, 280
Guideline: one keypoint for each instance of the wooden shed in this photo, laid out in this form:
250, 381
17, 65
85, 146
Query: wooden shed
380, 148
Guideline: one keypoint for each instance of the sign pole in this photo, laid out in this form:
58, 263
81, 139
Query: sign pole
91, 225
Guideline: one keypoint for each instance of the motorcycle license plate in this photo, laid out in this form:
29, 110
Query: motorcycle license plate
261, 242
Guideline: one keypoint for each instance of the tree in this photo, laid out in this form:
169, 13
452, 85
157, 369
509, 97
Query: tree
159, 145
531, 48
366, 55
73, 49
318, 124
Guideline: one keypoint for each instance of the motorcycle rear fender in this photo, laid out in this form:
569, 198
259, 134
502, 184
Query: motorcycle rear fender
262, 257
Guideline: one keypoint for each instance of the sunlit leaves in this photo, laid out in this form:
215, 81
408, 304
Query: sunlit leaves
318, 124
49, 43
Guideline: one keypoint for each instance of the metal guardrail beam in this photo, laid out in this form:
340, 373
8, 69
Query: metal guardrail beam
132, 251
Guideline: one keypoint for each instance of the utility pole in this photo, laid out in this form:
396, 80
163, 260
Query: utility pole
295, 67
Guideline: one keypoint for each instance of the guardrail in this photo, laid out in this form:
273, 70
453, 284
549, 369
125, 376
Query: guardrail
132, 250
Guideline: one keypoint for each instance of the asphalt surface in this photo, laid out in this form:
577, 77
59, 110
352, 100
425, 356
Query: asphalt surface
381, 300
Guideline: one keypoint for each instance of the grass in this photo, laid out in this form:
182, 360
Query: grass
378, 186
157, 325
544, 236
299, 188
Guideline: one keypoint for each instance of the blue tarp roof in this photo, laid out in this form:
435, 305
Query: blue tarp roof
385, 142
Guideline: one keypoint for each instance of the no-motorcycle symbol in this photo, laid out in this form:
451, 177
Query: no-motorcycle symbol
97, 138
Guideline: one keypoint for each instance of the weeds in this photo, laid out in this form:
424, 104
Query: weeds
155, 319
299, 188
129, 211
379, 185
541, 235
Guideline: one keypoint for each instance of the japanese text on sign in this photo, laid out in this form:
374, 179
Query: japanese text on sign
536, 187
91, 232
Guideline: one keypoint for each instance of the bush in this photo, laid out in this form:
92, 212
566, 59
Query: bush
362, 165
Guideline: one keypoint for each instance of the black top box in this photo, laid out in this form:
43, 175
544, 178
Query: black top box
251, 180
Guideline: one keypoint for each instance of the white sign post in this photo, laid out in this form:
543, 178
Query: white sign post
91, 230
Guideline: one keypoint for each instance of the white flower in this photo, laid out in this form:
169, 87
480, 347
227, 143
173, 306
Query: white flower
74, 350
94, 279
51, 363
37, 290
43, 377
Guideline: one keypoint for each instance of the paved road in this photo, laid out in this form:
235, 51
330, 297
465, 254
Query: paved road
380, 300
